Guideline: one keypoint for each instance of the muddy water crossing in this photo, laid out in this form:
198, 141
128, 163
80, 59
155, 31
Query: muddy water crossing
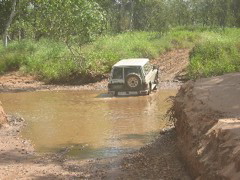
88, 124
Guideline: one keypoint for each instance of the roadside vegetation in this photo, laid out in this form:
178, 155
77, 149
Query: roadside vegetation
214, 52
54, 61
218, 53
63, 40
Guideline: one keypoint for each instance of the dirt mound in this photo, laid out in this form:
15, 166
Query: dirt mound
208, 126
3, 118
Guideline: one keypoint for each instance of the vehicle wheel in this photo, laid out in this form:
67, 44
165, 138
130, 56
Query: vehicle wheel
133, 81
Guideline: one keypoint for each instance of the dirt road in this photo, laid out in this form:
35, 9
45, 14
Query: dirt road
158, 160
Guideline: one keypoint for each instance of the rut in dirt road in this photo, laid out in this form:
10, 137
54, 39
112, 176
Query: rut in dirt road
172, 64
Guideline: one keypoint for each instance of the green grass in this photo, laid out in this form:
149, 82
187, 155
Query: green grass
50, 61
218, 53
54, 62
106, 51
215, 52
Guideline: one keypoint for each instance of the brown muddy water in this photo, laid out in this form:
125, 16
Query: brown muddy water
88, 124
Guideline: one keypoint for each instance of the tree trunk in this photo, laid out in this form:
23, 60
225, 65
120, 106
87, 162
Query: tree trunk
5, 32
131, 18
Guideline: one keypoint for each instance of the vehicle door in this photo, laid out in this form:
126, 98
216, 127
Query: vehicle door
149, 73
117, 76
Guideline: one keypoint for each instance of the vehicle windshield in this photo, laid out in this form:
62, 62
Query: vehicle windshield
117, 73
128, 70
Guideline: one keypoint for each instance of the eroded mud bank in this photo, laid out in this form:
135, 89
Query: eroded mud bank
208, 126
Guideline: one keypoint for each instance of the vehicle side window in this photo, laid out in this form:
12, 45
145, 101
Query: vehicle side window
117, 73
147, 68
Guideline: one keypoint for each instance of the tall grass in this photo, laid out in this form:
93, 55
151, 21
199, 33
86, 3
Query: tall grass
14, 55
53, 61
50, 61
218, 53
107, 50
215, 52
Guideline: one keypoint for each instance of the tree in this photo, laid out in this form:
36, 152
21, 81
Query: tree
8, 23
5, 10
66, 20
63, 20
82, 20
236, 12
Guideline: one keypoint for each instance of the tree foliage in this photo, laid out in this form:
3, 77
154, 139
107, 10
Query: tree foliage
64, 20
82, 20
8, 22
159, 15
5, 11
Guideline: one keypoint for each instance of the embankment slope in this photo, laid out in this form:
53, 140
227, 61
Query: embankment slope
208, 126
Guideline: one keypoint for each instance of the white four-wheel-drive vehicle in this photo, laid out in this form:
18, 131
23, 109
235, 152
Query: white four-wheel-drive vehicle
133, 77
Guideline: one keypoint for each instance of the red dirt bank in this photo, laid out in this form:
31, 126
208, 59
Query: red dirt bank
208, 126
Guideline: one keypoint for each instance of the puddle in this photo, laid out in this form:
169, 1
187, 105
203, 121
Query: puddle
88, 124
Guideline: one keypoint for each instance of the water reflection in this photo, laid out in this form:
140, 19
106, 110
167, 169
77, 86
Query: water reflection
78, 123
